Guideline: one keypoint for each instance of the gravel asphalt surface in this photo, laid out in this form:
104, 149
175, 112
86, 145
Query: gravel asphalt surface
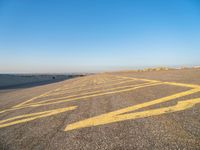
156, 110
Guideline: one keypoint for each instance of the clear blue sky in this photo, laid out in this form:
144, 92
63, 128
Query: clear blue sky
45, 36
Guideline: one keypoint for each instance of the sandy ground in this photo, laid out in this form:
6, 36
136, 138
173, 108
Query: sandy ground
120, 110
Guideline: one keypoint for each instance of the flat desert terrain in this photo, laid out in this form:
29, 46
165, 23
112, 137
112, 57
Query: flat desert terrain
118, 110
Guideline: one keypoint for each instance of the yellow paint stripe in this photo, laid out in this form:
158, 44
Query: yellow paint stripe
34, 98
93, 95
104, 86
182, 84
95, 92
78, 88
117, 116
33, 116
78, 98
81, 86
147, 80
169, 83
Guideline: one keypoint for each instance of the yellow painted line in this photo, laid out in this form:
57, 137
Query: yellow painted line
111, 117
74, 85
77, 82
81, 86
10, 109
118, 115
34, 98
27, 101
102, 81
89, 96
147, 80
78, 98
182, 84
80, 90
33, 116
77, 89
93, 92
169, 83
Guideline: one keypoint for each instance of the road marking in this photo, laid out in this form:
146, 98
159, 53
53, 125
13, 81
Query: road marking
96, 87
33, 116
36, 97
82, 86
94, 92
42, 103
111, 117
118, 115
169, 83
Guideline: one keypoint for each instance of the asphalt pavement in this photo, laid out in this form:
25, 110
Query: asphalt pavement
119, 110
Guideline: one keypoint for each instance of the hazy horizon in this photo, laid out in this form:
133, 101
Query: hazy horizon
97, 36
105, 69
